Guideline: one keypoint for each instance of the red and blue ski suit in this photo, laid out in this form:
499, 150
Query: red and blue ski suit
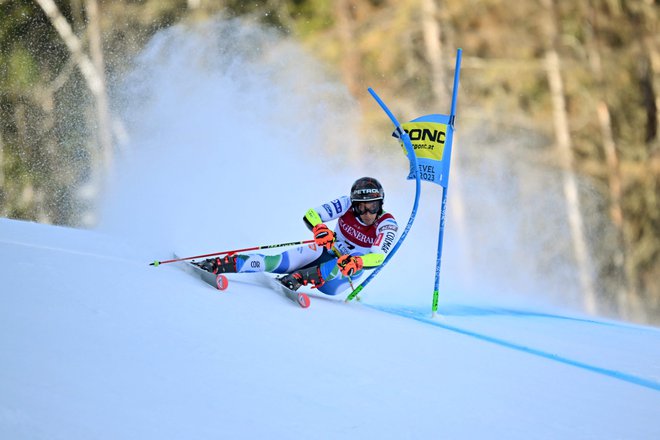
352, 236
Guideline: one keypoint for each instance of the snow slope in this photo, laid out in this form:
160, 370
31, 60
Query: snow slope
231, 142
96, 344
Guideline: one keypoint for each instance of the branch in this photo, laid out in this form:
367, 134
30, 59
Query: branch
91, 75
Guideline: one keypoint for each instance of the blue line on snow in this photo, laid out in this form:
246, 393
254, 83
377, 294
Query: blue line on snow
647, 383
463, 310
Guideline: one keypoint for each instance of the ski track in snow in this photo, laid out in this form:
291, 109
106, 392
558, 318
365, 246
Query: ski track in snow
70, 251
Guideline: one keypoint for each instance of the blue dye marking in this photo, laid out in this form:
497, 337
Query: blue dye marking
647, 383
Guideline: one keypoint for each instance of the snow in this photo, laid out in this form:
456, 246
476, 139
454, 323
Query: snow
97, 344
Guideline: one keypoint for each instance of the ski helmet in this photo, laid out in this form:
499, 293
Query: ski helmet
367, 189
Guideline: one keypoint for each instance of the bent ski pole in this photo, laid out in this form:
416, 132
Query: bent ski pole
255, 248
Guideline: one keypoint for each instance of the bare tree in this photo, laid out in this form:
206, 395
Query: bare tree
350, 65
626, 294
344, 11
433, 48
565, 154
650, 101
93, 77
650, 72
96, 52
3, 187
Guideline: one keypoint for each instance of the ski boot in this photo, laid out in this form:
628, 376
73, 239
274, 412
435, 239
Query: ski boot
217, 265
303, 277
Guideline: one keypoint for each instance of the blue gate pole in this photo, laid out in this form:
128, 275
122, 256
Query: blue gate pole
443, 210
418, 188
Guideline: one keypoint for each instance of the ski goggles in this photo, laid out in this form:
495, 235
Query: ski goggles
370, 207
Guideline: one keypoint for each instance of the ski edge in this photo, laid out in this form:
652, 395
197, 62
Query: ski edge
219, 282
300, 298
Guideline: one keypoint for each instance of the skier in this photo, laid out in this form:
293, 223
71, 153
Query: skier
364, 234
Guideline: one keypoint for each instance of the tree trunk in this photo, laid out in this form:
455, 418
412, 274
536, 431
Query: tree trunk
3, 187
93, 72
350, 65
626, 294
95, 79
77, 16
433, 48
565, 155
649, 98
646, 18
432, 32
25, 201
628, 300
102, 108
49, 148
651, 78
350, 62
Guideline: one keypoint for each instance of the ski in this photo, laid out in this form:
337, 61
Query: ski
218, 281
300, 298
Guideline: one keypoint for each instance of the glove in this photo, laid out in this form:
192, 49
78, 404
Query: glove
323, 236
349, 265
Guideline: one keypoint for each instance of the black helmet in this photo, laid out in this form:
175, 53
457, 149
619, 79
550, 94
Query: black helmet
367, 189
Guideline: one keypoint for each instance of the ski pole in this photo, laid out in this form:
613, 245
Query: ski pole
255, 248
339, 254
315, 219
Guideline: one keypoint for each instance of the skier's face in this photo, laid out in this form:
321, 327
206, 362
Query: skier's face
368, 207
368, 211
368, 218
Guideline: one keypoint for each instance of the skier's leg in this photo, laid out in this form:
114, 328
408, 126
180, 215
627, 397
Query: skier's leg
285, 262
335, 282
300, 258
326, 276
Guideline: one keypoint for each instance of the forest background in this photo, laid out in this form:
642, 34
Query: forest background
575, 83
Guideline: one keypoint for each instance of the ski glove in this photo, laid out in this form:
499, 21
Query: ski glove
349, 265
323, 236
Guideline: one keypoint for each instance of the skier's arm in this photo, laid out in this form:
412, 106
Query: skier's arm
385, 238
326, 212
386, 234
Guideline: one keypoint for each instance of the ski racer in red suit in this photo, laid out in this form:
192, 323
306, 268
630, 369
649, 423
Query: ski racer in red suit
363, 236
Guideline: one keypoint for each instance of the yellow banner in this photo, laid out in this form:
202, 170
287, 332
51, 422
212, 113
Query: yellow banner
427, 138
